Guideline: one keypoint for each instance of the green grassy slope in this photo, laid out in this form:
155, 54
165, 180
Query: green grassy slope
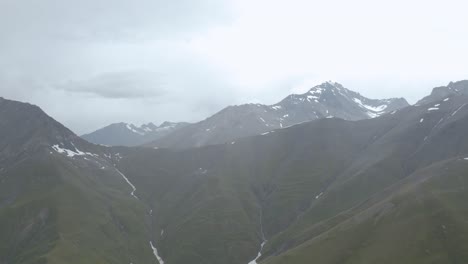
59, 211
420, 222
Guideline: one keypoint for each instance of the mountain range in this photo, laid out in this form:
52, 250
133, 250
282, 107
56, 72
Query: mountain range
124, 134
329, 99
386, 189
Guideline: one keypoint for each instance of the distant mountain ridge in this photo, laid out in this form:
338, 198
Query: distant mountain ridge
124, 134
329, 99
438, 93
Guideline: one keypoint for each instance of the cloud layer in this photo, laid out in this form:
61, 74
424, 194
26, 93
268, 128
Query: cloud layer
89, 63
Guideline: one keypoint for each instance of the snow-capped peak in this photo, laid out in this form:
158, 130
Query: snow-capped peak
135, 129
150, 127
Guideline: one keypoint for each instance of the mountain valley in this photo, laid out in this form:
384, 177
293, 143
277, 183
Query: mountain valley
372, 184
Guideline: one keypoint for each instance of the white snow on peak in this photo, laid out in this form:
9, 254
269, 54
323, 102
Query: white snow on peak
446, 99
373, 111
433, 109
155, 253
316, 91
276, 107
312, 97
149, 128
167, 127
466, 158
132, 128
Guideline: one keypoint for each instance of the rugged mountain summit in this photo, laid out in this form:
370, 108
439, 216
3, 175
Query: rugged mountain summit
123, 134
329, 99
25, 127
438, 93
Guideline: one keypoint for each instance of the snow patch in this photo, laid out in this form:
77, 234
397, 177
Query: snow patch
312, 97
259, 253
422, 120
71, 153
374, 111
276, 107
132, 128
129, 183
155, 253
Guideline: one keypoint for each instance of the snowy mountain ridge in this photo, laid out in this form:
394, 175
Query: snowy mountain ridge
327, 100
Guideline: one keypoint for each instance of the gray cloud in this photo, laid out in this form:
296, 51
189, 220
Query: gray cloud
135, 84
93, 20
93, 62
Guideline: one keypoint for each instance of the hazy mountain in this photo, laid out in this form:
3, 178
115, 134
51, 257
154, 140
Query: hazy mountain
123, 134
315, 184
389, 189
61, 199
438, 93
327, 100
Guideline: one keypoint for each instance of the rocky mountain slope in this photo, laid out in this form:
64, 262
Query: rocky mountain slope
452, 89
123, 134
323, 101
61, 198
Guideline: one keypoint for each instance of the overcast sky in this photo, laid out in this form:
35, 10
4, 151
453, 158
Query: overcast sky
89, 63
